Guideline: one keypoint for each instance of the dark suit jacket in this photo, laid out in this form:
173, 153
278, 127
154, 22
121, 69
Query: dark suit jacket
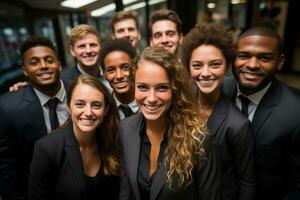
276, 128
232, 135
57, 172
69, 74
21, 124
206, 181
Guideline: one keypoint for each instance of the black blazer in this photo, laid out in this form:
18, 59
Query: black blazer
206, 182
234, 139
69, 74
57, 172
21, 124
276, 128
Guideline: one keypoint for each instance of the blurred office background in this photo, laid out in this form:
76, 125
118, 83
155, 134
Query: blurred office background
55, 18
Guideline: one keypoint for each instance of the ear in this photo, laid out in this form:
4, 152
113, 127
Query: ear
139, 35
59, 63
180, 38
281, 62
72, 51
150, 41
24, 71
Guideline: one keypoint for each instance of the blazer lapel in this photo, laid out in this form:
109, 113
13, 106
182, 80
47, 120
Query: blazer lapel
158, 182
74, 156
34, 106
134, 151
265, 107
218, 115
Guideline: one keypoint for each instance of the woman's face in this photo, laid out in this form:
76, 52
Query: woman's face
153, 91
207, 68
87, 108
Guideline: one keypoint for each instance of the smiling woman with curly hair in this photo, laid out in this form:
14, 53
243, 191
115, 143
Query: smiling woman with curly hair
166, 151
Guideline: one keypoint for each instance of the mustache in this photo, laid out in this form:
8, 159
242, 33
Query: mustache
257, 72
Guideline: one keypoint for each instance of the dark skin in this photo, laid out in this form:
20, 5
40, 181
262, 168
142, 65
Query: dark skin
42, 67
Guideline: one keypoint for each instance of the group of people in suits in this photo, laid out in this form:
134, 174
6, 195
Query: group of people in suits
189, 139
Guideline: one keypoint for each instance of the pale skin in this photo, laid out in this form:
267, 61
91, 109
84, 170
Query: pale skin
153, 95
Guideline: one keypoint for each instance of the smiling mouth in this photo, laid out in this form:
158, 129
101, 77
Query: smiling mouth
121, 84
152, 108
87, 121
45, 74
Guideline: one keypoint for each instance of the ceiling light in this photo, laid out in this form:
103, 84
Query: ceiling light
126, 2
76, 3
143, 4
103, 10
211, 5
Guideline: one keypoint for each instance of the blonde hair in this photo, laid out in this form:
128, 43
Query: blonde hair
80, 31
186, 128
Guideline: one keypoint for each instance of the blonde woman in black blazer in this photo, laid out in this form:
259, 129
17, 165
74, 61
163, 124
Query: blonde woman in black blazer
166, 152
207, 51
80, 160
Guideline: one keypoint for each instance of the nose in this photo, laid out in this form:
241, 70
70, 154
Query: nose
88, 110
119, 74
152, 96
43, 63
164, 38
206, 71
253, 63
126, 33
88, 48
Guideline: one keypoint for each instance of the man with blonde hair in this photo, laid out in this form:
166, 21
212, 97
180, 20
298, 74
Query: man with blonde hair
85, 48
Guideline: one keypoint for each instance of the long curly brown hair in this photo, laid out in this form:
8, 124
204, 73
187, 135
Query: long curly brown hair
186, 129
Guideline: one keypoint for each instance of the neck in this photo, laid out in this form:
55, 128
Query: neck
91, 70
125, 98
85, 140
157, 127
209, 100
49, 90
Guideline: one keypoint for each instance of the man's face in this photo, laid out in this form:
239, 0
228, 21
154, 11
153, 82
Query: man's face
164, 34
256, 62
126, 29
41, 66
86, 51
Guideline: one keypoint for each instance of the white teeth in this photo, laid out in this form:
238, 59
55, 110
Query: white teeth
206, 82
121, 84
152, 107
87, 121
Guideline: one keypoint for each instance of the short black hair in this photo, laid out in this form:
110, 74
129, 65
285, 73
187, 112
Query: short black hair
264, 31
34, 41
116, 45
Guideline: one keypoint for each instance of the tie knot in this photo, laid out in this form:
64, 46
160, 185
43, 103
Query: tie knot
126, 110
52, 103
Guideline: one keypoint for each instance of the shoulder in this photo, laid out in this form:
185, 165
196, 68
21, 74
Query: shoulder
132, 121
52, 142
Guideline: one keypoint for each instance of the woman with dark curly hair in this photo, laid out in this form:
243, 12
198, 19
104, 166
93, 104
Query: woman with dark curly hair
166, 151
207, 52
80, 160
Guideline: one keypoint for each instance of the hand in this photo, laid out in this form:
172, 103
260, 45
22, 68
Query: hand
16, 86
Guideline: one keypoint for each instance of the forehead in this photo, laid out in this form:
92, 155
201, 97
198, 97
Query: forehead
163, 25
151, 73
39, 51
207, 52
88, 38
257, 43
125, 24
82, 89
116, 56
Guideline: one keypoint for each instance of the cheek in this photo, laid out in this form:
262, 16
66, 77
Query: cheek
139, 96
194, 73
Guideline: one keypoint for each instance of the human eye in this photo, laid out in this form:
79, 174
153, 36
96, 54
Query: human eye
125, 67
50, 60
196, 66
81, 46
120, 30
266, 58
157, 35
110, 69
34, 62
216, 64
79, 104
97, 105
171, 33
243, 56
131, 29
163, 88
142, 87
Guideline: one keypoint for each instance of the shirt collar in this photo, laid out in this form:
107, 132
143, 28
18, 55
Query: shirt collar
60, 95
255, 97
132, 105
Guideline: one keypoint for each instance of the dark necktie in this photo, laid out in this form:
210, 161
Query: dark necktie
52, 104
245, 103
126, 110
